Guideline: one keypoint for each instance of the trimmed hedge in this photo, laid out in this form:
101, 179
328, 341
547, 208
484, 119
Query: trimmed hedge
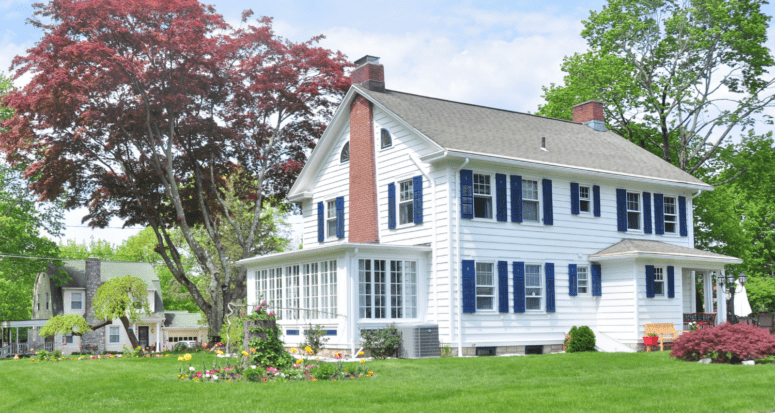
726, 343
580, 339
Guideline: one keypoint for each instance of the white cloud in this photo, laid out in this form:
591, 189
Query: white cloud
8, 50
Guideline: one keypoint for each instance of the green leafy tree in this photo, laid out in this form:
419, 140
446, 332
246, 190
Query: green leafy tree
124, 298
677, 77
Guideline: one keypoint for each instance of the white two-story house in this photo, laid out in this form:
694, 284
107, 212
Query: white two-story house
504, 229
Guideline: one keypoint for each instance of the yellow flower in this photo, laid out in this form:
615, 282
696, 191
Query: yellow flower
180, 358
187, 357
138, 347
166, 355
371, 372
363, 361
360, 354
308, 349
245, 353
294, 350
299, 361
314, 379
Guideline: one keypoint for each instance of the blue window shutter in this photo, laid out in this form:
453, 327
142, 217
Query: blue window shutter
321, 221
340, 217
621, 209
503, 286
597, 281
574, 198
596, 199
670, 281
549, 287
516, 198
682, 216
519, 287
500, 195
659, 214
466, 193
417, 188
647, 213
548, 218
573, 289
391, 205
469, 286
650, 281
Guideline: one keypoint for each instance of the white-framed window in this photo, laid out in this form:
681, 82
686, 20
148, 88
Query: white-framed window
345, 155
385, 140
482, 196
331, 218
328, 289
533, 287
671, 214
68, 339
485, 286
633, 210
530, 200
582, 279
114, 335
376, 300
585, 199
269, 288
406, 202
292, 292
47, 301
659, 282
76, 301
311, 290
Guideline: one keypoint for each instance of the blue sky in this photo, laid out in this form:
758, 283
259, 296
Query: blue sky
490, 53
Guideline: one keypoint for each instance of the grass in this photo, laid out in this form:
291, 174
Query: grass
555, 382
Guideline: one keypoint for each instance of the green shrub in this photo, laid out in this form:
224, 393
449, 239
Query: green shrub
580, 339
323, 371
256, 374
315, 338
56, 354
269, 352
42, 355
382, 343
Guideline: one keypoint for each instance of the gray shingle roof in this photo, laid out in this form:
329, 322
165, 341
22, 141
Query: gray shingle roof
183, 319
482, 130
629, 248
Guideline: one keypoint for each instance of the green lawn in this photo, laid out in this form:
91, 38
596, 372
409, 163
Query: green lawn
556, 382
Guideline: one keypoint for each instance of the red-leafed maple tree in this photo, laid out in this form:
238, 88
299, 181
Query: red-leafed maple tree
146, 110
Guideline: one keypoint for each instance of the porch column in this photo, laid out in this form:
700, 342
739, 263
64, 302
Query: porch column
721, 296
707, 290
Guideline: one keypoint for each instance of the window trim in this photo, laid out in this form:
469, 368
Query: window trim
542, 281
538, 200
675, 223
588, 199
330, 216
588, 280
381, 140
494, 268
663, 281
110, 335
410, 221
80, 300
491, 184
639, 210
341, 153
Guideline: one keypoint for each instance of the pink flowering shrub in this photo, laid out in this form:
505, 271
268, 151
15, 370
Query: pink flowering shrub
726, 343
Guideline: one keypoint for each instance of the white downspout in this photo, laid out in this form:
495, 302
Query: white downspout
433, 246
457, 284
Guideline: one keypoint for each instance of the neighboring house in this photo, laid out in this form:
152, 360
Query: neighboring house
158, 331
504, 229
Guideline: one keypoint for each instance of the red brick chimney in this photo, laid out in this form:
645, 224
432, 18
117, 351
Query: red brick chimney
591, 114
369, 74
364, 225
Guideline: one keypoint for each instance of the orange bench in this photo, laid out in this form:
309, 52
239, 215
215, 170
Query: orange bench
666, 331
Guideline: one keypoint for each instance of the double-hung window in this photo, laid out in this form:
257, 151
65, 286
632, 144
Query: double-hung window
659, 282
530, 200
482, 196
533, 287
114, 336
585, 199
582, 279
68, 339
406, 202
671, 216
633, 210
331, 218
76, 301
485, 286
387, 289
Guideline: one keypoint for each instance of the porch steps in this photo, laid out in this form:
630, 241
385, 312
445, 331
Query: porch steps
608, 344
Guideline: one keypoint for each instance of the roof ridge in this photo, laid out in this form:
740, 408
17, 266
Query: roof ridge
479, 106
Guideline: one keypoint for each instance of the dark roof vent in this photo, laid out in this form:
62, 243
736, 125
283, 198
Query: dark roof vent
543, 144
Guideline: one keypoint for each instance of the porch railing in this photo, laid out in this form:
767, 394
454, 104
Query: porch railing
702, 320
24, 349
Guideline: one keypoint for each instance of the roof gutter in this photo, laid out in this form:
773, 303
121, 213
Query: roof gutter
551, 167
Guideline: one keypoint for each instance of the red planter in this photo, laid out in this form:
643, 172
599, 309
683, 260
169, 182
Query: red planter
651, 341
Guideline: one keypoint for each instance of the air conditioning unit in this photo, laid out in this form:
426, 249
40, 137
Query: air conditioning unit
419, 340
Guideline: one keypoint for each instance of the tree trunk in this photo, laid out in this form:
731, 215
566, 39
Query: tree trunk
130, 333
